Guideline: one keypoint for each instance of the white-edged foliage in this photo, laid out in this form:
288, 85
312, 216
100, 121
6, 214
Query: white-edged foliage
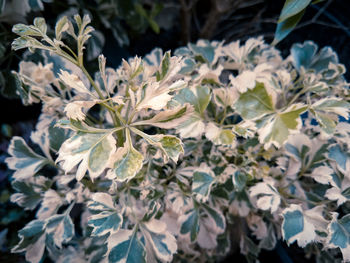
219, 143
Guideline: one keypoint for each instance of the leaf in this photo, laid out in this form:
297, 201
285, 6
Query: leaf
26, 197
51, 202
61, 227
107, 219
202, 181
61, 26
73, 81
341, 158
92, 151
160, 240
267, 195
254, 103
217, 219
278, 127
189, 223
169, 119
219, 136
239, 180
74, 109
225, 97
206, 51
339, 235
126, 162
284, 28
199, 97
23, 160
164, 68
298, 225
325, 109
170, 146
292, 7
32, 241
125, 246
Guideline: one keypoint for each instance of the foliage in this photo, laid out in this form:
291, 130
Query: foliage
165, 157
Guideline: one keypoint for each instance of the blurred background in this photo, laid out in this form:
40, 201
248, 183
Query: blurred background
135, 27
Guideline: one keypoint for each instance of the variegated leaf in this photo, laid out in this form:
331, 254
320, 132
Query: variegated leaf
267, 195
32, 241
202, 181
170, 145
169, 119
106, 218
255, 103
278, 127
339, 235
23, 159
189, 224
90, 151
126, 162
219, 136
299, 225
125, 246
160, 241
61, 227
74, 109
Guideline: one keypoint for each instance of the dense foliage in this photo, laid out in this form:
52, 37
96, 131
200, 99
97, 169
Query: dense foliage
181, 157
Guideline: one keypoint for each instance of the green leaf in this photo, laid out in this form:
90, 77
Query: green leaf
127, 161
202, 181
279, 126
91, 151
284, 28
125, 246
107, 219
254, 103
336, 154
189, 223
32, 241
61, 227
339, 235
23, 160
292, 7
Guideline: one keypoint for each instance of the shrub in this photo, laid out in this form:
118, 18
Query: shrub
181, 157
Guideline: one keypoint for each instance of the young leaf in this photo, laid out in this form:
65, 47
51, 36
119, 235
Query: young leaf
107, 219
23, 160
61, 26
74, 109
203, 179
73, 81
126, 162
125, 246
91, 151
